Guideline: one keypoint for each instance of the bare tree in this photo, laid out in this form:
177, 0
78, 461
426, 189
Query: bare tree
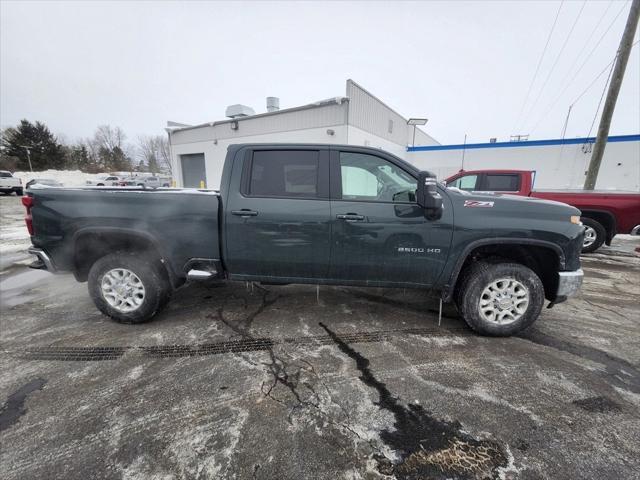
109, 137
153, 150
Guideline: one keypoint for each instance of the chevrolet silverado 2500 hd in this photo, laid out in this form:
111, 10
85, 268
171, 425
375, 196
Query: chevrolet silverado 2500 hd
318, 214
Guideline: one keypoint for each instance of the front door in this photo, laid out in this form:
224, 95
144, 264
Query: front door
380, 235
277, 221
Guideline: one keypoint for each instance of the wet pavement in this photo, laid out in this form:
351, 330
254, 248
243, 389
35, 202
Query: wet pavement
237, 381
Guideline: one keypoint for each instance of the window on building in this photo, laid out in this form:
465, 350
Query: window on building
502, 183
467, 182
372, 178
284, 173
390, 128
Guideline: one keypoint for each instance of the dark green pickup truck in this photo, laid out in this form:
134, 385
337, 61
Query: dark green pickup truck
316, 214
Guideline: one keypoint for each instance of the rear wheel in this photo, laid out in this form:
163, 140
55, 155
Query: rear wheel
128, 287
594, 235
500, 299
19, 192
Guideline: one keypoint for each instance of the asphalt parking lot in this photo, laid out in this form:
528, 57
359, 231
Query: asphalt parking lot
290, 382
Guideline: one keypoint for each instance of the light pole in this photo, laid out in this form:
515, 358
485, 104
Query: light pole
28, 149
414, 122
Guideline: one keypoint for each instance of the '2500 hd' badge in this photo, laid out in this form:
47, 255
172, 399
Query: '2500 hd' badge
478, 204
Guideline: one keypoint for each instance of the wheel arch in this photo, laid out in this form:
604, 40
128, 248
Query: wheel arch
604, 218
544, 258
90, 244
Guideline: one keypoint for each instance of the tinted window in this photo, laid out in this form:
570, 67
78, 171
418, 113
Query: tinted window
284, 173
502, 183
468, 182
5, 174
368, 177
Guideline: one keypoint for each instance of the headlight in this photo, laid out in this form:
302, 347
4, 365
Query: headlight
576, 219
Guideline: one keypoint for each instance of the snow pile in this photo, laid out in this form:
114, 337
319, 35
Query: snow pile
68, 178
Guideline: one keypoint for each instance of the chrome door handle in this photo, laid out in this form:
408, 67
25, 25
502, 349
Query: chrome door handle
350, 217
245, 213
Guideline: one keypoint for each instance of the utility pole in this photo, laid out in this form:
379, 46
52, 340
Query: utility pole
612, 95
28, 149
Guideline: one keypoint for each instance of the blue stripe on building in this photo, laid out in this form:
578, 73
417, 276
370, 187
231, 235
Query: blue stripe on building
526, 143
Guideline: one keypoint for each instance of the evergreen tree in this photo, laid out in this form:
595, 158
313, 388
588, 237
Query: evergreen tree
44, 149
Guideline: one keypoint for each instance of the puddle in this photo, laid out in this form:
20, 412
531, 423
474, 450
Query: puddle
14, 408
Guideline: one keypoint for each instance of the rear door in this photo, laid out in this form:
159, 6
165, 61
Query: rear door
380, 235
277, 220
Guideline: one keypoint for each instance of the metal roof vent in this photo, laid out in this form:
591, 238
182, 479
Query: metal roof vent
273, 104
238, 111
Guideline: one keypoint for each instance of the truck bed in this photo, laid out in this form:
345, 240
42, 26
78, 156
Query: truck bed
184, 221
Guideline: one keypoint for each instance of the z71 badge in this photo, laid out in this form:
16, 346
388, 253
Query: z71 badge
478, 203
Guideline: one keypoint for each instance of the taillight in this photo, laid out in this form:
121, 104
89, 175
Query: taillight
28, 219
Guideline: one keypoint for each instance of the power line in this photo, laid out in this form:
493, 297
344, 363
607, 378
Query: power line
602, 17
535, 75
599, 75
604, 90
559, 96
555, 63
586, 89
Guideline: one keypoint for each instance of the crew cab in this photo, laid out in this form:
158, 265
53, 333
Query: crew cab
10, 184
313, 214
604, 213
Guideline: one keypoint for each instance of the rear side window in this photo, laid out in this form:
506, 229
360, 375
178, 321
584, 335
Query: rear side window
502, 183
5, 175
284, 173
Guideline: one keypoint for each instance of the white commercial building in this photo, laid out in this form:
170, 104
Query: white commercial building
358, 118
559, 164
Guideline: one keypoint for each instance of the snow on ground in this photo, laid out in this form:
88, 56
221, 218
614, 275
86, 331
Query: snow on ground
68, 178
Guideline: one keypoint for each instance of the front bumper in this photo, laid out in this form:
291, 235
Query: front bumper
44, 261
569, 283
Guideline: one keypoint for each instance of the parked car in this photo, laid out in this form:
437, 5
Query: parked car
10, 184
48, 182
318, 214
141, 181
105, 181
604, 213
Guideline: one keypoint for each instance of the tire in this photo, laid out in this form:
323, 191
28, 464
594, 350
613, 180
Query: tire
594, 235
19, 192
100, 185
155, 289
476, 286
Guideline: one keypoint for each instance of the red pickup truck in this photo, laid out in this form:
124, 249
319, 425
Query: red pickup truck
604, 213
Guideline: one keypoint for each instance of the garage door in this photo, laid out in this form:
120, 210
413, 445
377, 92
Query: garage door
193, 171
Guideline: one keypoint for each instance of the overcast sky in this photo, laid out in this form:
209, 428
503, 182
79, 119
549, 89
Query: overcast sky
467, 66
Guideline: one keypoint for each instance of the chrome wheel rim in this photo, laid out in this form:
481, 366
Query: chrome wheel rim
504, 301
590, 236
122, 289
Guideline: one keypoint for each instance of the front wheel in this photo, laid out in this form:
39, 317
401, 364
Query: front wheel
594, 235
127, 287
500, 299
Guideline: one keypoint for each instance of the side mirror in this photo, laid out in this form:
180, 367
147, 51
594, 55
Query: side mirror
427, 196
